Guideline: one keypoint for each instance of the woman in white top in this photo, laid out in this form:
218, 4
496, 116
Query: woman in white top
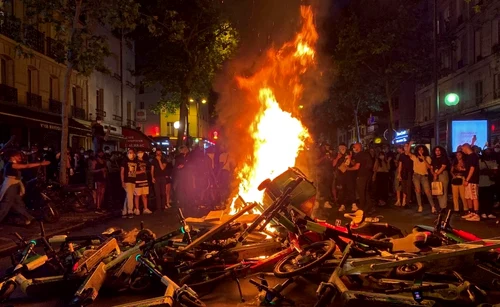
421, 165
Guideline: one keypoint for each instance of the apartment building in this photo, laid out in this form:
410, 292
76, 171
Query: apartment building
469, 65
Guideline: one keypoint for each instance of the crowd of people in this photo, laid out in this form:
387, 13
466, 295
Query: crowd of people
133, 181
367, 178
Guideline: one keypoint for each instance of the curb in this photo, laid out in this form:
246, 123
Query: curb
7, 249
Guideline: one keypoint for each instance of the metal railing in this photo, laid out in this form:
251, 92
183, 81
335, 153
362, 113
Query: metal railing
118, 118
34, 38
131, 123
33, 100
10, 26
77, 112
8, 93
100, 113
55, 106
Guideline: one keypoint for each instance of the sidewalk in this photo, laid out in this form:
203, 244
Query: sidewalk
69, 221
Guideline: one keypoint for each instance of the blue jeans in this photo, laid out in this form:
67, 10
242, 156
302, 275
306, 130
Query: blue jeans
421, 182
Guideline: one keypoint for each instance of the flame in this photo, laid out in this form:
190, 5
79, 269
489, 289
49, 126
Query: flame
278, 135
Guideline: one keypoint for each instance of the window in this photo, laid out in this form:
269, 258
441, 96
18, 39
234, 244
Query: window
53, 88
99, 99
427, 109
3, 73
6, 70
446, 19
141, 105
32, 81
76, 95
478, 46
395, 103
129, 110
460, 90
116, 105
460, 9
73, 95
479, 92
495, 35
141, 88
8, 7
458, 53
496, 86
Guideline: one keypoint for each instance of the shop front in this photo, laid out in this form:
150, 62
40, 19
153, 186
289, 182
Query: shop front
34, 127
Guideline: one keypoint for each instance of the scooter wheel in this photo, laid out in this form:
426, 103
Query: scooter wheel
409, 270
50, 213
288, 267
6, 290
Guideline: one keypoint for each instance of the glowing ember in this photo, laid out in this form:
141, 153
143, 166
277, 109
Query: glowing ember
278, 135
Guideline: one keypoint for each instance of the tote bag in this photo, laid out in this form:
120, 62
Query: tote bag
437, 188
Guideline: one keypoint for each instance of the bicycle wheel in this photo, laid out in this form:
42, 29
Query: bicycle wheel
203, 277
311, 256
50, 213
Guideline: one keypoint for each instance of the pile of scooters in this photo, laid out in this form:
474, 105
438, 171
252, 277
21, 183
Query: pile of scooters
366, 261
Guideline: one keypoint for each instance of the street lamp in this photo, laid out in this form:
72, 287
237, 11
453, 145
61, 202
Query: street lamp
204, 101
451, 99
177, 125
191, 100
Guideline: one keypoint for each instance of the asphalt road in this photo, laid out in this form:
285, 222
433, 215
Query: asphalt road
226, 294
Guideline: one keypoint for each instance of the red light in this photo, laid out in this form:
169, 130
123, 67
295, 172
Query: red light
216, 135
157, 130
493, 128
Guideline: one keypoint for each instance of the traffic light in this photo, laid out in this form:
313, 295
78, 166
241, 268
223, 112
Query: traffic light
451, 99
215, 135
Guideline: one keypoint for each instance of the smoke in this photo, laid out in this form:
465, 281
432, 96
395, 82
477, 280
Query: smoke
266, 25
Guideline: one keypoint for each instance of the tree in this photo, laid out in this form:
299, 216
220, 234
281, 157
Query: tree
83, 49
195, 39
384, 43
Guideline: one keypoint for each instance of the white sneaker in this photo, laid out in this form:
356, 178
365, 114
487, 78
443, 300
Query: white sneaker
474, 218
467, 215
491, 216
137, 212
146, 211
342, 208
327, 205
484, 216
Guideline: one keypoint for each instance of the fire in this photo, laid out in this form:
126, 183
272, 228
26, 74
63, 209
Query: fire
278, 135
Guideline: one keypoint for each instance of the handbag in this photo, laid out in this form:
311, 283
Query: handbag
457, 181
437, 188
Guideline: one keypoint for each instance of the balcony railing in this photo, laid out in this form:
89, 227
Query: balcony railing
77, 112
55, 49
34, 38
100, 113
118, 118
131, 123
55, 106
8, 93
11, 27
33, 100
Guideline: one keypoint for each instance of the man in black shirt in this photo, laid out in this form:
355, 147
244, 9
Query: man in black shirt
471, 182
128, 174
363, 166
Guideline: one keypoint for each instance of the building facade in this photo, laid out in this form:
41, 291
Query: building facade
469, 65
31, 88
164, 126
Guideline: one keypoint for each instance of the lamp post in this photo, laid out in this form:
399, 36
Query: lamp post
435, 74
451, 99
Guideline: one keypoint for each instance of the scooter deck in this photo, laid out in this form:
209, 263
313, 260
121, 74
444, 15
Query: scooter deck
379, 264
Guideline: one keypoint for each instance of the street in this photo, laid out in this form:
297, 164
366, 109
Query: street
226, 294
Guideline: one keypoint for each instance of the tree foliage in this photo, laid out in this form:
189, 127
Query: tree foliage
378, 49
194, 39
82, 46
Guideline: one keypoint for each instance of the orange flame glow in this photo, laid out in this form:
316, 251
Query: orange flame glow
278, 135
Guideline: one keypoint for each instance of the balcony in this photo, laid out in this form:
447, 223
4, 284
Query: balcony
118, 118
35, 39
55, 106
33, 100
55, 49
100, 113
8, 94
77, 112
131, 123
11, 27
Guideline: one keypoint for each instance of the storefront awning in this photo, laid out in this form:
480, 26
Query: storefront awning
15, 115
136, 139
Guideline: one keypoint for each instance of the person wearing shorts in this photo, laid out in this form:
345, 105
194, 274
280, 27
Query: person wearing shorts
128, 174
471, 183
141, 184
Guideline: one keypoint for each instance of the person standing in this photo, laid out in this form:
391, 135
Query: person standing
98, 134
380, 178
421, 165
128, 174
100, 178
488, 171
471, 183
182, 180
440, 166
340, 164
458, 171
405, 174
141, 184
159, 169
363, 166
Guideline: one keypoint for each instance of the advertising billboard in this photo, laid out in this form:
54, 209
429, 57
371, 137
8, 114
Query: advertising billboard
462, 131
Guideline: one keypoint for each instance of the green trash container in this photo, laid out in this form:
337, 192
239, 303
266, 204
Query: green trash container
303, 196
